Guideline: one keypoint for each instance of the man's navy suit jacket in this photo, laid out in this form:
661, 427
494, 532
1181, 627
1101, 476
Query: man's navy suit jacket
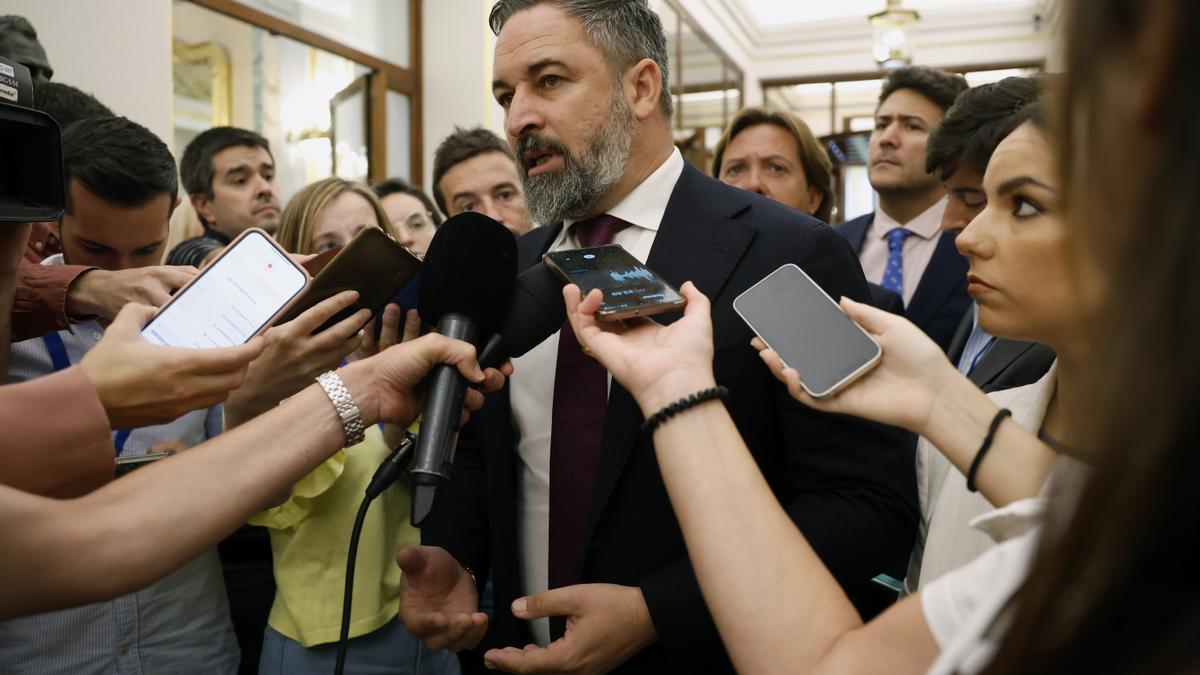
941, 297
847, 483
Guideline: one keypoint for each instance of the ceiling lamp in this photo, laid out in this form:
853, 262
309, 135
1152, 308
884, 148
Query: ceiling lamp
893, 35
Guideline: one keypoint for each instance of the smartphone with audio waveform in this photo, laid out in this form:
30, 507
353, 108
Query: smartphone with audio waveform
630, 288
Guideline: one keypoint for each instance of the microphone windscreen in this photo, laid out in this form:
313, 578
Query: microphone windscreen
535, 312
468, 269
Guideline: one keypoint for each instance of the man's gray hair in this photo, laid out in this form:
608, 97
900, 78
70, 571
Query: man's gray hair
627, 31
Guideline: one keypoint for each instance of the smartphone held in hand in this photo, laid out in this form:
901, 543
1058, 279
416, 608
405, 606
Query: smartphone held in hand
234, 298
630, 288
812, 335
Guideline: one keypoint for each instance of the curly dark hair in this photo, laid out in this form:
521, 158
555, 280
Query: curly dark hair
977, 122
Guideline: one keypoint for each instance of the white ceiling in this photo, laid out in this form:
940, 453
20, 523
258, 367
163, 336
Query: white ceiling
770, 13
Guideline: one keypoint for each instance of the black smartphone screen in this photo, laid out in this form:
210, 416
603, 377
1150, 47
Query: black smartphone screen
812, 335
629, 287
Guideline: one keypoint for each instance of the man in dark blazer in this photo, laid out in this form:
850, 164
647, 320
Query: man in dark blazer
922, 263
938, 303
634, 604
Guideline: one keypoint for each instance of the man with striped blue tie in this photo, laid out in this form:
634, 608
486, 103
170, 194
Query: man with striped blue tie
121, 190
900, 245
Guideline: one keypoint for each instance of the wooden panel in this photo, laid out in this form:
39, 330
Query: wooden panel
377, 137
416, 96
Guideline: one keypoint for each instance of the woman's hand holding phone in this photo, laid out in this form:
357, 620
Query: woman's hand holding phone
294, 356
902, 390
140, 384
657, 364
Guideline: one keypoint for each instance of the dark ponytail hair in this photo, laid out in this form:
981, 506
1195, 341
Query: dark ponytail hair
1113, 590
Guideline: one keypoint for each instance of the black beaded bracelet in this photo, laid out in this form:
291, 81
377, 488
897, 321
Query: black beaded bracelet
987, 445
654, 421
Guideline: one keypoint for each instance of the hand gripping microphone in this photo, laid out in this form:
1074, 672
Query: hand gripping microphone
535, 312
466, 281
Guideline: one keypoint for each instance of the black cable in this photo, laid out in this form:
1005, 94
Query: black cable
348, 597
392, 468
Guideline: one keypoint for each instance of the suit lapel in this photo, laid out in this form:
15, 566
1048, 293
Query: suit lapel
959, 342
999, 356
945, 274
855, 231
697, 241
534, 244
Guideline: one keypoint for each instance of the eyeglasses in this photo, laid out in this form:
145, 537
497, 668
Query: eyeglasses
418, 219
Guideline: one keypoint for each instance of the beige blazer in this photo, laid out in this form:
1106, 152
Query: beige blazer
944, 539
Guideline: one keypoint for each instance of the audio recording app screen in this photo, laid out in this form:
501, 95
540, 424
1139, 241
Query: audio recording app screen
231, 300
625, 282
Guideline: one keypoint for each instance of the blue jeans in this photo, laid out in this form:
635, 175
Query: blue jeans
390, 650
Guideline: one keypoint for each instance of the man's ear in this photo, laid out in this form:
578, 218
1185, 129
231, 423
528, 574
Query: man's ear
814, 199
643, 83
200, 204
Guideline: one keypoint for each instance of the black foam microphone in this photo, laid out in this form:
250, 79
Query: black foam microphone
466, 281
535, 312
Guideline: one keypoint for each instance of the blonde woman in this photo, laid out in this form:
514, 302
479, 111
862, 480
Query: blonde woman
310, 530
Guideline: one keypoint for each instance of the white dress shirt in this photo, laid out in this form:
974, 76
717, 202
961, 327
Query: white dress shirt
918, 248
531, 386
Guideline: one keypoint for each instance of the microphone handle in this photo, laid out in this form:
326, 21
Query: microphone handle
443, 406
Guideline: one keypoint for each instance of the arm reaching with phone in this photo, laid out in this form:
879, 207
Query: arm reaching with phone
777, 607
123, 381
915, 387
49, 296
139, 528
103, 293
294, 356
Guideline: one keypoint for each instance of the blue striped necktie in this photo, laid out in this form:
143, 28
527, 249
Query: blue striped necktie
893, 275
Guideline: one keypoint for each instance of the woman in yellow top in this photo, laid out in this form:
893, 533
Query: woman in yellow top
310, 530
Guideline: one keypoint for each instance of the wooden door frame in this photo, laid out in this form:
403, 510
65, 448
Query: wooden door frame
385, 76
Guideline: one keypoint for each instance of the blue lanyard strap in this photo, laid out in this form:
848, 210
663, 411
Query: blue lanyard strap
61, 361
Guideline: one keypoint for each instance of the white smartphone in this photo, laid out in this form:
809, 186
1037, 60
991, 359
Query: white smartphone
811, 334
234, 298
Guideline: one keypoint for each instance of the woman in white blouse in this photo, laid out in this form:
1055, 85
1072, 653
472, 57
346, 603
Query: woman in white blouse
1109, 589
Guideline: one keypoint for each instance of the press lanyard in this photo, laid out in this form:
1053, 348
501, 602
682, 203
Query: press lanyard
60, 361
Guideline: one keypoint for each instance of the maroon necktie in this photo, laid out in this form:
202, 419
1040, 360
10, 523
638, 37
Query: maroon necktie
576, 434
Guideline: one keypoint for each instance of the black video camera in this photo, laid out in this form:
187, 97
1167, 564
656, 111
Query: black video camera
31, 166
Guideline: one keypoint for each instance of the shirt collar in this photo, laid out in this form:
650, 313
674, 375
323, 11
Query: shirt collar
645, 205
926, 226
213, 234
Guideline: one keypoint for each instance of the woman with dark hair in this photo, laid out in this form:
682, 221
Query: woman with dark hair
1107, 589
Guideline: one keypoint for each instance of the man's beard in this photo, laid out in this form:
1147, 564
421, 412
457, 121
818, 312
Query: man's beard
573, 191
